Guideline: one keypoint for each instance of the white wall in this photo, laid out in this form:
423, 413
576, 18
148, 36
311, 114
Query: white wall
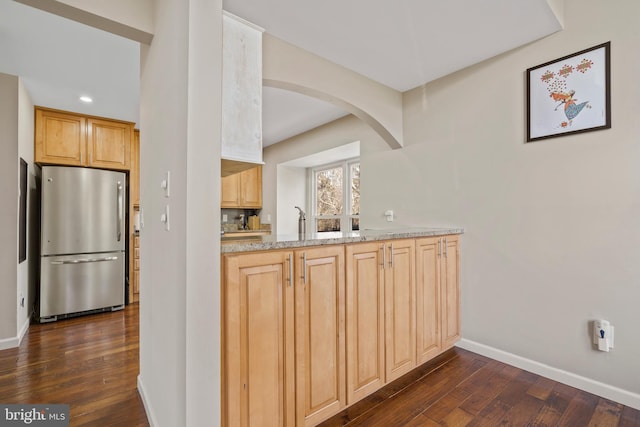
180, 132
291, 192
288, 67
132, 13
203, 214
8, 209
552, 232
179, 379
129, 19
27, 270
163, 147
551, 227
278, 194
18, 279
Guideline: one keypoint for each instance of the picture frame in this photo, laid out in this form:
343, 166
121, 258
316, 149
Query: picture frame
570, 95
22, 215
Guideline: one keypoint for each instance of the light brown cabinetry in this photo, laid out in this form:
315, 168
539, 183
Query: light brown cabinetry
365, 314
64, 138
381, 331
134, 208
268, 298
60, 138
438, 295
310, 331
243, 189
320, 334
134, 181
450, 287
135, 275
258, 359
109, 144
400, 307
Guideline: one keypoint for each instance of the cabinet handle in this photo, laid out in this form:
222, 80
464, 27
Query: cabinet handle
446, 250
384, 255
391, 256
439, 248
304, 268
290, 270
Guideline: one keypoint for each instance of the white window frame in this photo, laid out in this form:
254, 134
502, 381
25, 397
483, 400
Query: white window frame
346, 216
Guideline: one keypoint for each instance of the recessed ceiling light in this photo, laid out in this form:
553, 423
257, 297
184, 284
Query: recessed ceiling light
86, 99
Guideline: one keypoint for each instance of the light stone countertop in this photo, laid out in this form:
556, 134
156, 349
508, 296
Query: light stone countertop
271, 242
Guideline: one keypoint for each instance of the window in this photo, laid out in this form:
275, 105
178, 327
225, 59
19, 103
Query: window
335, 196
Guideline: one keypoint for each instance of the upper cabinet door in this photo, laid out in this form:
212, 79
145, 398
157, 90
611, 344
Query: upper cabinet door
242, 190
60, 138
109, 144
230, 194
251, 188
70, 139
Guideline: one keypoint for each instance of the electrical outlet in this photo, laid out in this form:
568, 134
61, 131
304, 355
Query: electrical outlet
603, 335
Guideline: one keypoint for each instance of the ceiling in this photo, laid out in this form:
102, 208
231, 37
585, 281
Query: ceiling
401, 44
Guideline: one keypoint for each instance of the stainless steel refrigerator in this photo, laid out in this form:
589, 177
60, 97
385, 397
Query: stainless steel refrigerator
82, 247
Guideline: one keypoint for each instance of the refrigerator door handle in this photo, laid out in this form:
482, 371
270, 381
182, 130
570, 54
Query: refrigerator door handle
119, 225
82, 261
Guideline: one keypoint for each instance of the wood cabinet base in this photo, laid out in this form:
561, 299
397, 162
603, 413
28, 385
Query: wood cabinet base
311, 331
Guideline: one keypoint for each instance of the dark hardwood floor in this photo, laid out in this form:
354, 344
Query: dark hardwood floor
461, 388
91, 363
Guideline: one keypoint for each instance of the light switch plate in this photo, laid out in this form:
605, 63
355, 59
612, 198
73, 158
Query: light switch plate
166, 184
165, 218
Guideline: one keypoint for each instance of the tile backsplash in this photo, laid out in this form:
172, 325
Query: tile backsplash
236, 219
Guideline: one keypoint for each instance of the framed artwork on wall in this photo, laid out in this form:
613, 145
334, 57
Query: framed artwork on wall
22, 213
570, 95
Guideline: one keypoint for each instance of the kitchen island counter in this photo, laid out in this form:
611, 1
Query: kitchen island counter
361, 308
272, 242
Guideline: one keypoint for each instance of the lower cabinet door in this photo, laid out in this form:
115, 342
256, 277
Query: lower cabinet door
428, 331
259, 340
450, 287
320, 334
365, 319
400, 308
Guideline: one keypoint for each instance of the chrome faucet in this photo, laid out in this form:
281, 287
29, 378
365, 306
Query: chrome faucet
302, 222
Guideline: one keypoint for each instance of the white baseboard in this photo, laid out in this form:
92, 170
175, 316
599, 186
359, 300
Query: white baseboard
23, 330
7, 343
14, 342
586, 384
146, 404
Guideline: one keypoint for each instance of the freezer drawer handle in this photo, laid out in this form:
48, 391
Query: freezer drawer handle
82, 261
